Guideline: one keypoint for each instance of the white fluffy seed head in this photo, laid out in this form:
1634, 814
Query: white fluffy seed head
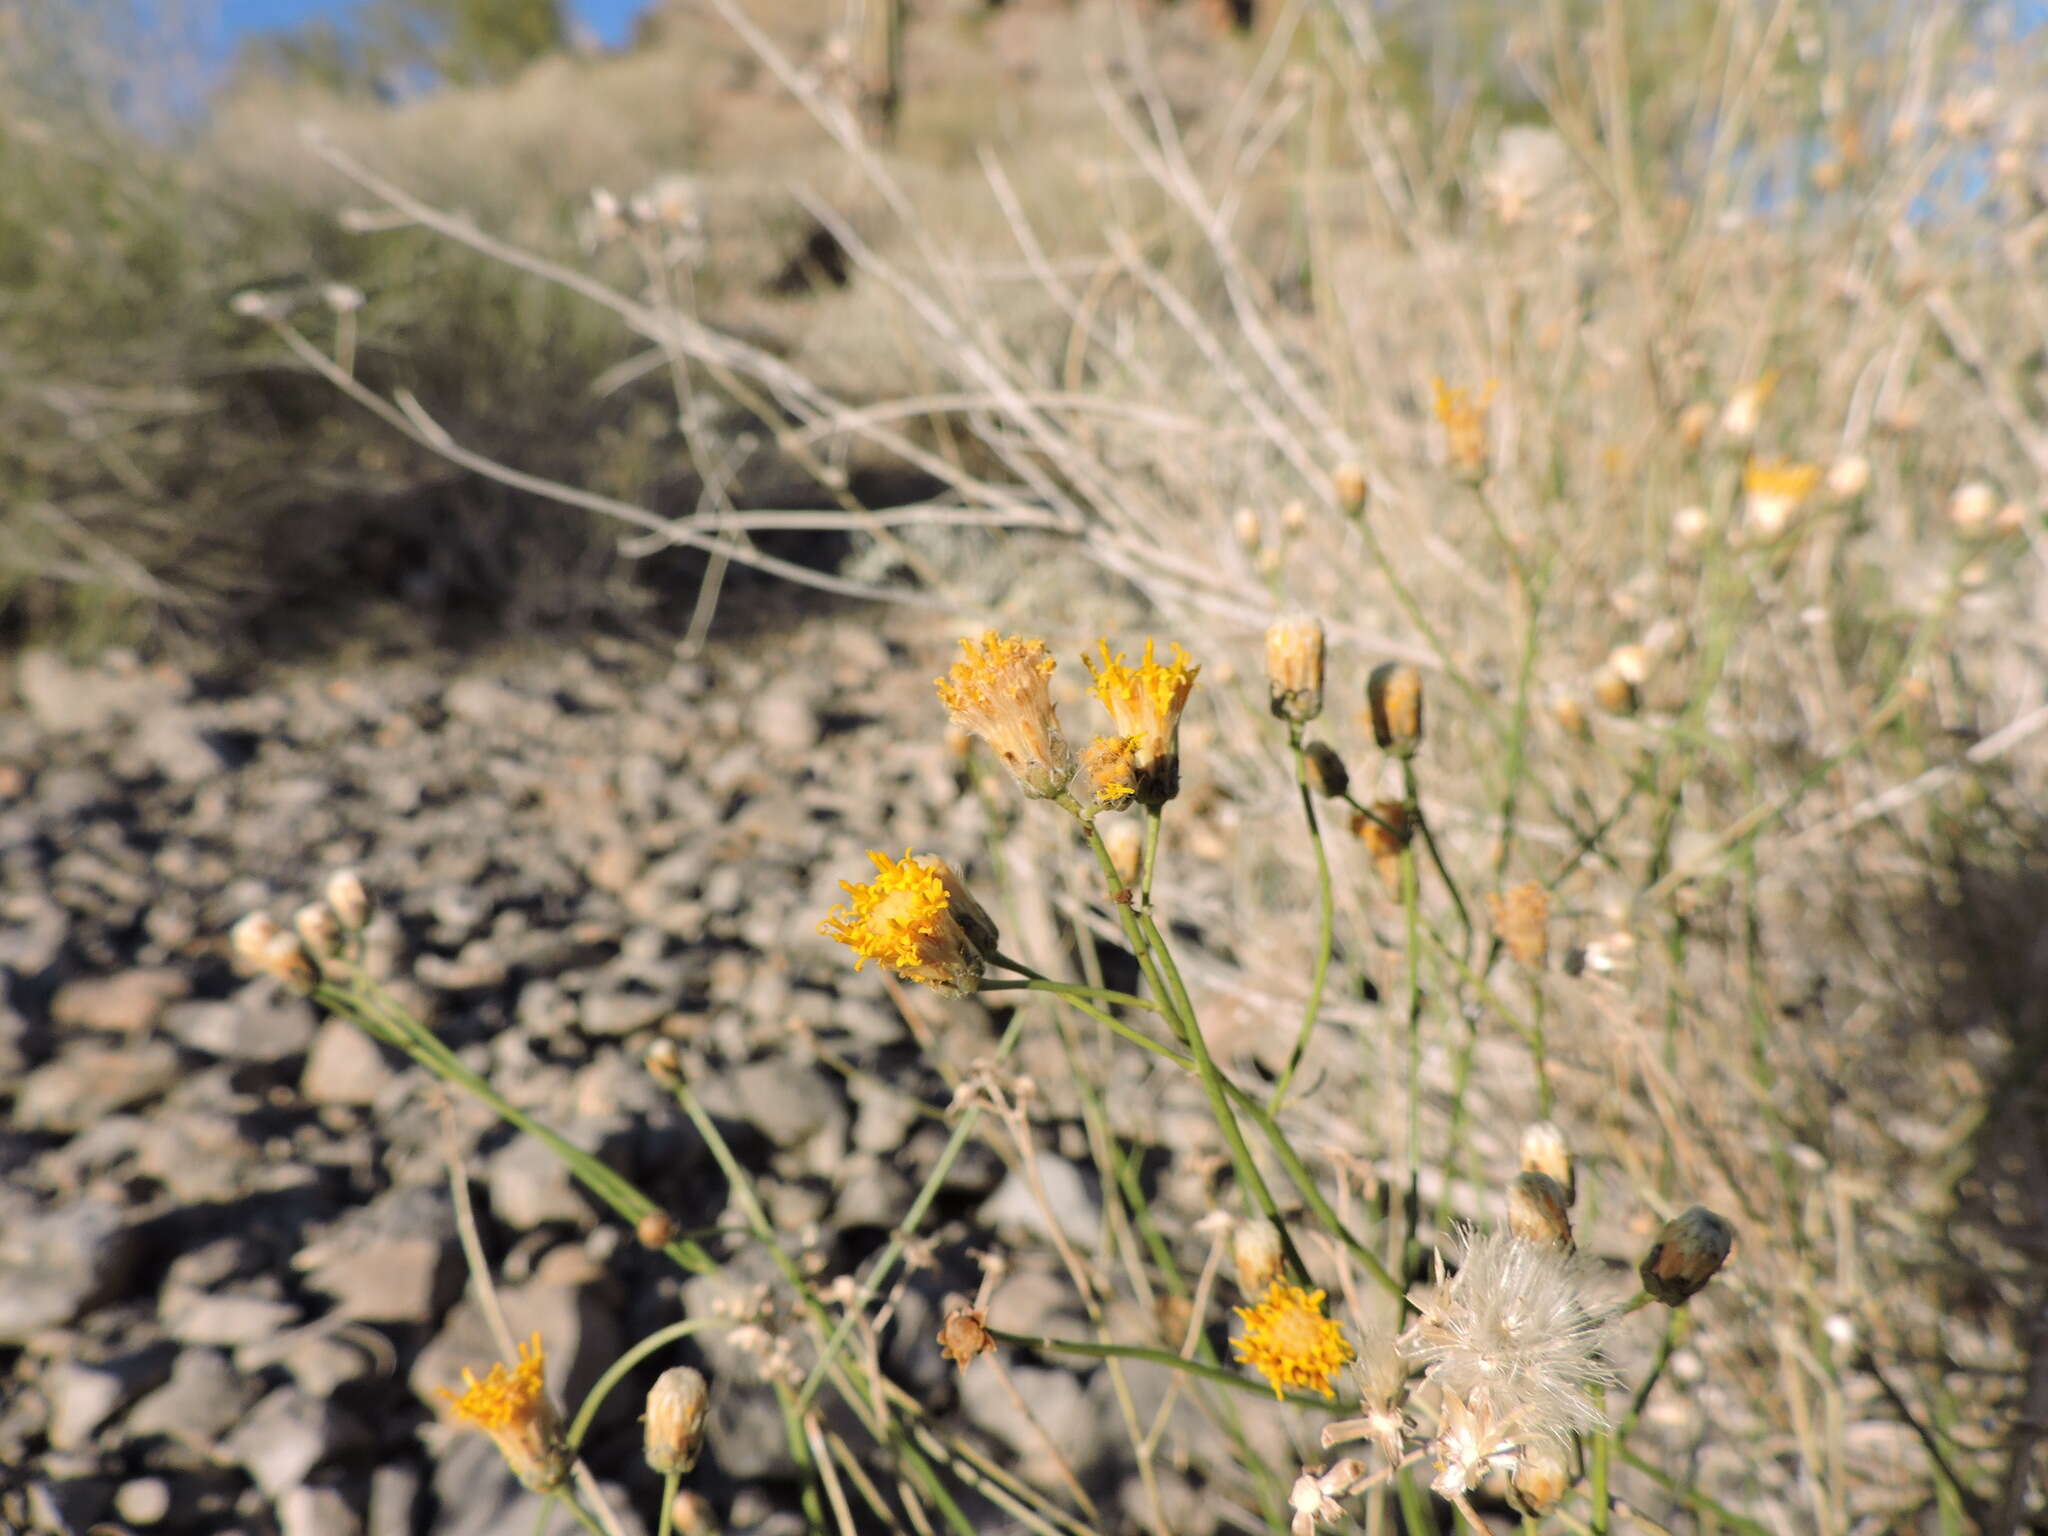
1512, 1331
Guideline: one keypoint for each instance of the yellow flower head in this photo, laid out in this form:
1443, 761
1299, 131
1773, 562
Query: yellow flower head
1000, 693
513, 1408
1145, 701
1773, 490
915, 917
1464, 420
1288, 1341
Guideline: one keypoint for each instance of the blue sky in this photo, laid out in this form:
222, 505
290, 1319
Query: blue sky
609, 19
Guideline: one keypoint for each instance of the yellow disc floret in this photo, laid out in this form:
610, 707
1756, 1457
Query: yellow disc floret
1146, 702
1288, 1341
905, 917
513, 1408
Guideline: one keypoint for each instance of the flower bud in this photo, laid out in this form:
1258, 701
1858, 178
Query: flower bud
1245, 525
1256, 1254
286, 958
664, 1063
1325, 770
1614, 693
657, 1229
965, 1335
1348, 485
693, 1514
320, 929
1847, 476
970, 914
250, 939
1537, 1211
1394, 692
1687, 1254
1294, 518
1385, 832
349, 900
1972, 507
1126, 845
1543, 1150
1294, 669
1570, 716
676, 1405
1541, 1477
1692, 526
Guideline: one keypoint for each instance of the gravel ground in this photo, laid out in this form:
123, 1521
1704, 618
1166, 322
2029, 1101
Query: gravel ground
229, 1268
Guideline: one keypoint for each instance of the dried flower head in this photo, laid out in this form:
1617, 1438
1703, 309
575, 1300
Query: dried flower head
1316, 1492
1847, 476
513, 1408
1521, 917
1146, 702
250, 940
1510, 1333
1000, 692
349, 899
964, 1336
674, 1420
1111, 764
664, 1063
1464, 423
1615, 693
1394, 694
1543, 1150
1348, 484
914, 917
1773, 490
1692, 526
1972, 507
1693, 422
1255, 1252
1324, 770
1126, 845
1288, 1341
1294, 669
1687, 1254
1473, 1438
1538, 1211
1382, 1378
286, 958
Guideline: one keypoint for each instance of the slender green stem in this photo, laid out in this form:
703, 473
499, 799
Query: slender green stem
1601, 1512
575, 1507
1674, 1328
1412, 1011
667, 1519
1033, 982
620, 1368
1325, 924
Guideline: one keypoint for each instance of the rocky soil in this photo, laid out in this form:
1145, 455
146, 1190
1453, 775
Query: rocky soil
229, 1268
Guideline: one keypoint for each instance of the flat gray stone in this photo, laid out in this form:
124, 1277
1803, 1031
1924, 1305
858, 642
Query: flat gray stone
56, 1263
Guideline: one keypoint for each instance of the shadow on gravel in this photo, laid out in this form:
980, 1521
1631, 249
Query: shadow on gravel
1979, 939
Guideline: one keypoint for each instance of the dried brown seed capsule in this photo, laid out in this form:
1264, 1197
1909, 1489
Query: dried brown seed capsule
1394, 692
1613, 692
965, 1335
1537, 1211
1687, 1254
1385, 832
1325, 770
1543, 1150
674, 1420
1541, 1477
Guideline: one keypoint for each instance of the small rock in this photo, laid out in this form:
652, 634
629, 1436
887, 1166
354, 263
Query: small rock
287, 1435
1057, 1401
344, 1066
63, 698
1014, 1207
785, 721
622, 1012
143, 1500
89, 1082
394, 1496
203, 1400
262, 1022
787, 1103
128, 1003
316, 1512
54, 1264
386, 1280
226, 1318
85, 1396
174, 744
476, 1494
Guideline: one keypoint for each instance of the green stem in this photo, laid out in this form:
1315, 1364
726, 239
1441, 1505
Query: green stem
1325, 925
575, 1507
667, 1518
